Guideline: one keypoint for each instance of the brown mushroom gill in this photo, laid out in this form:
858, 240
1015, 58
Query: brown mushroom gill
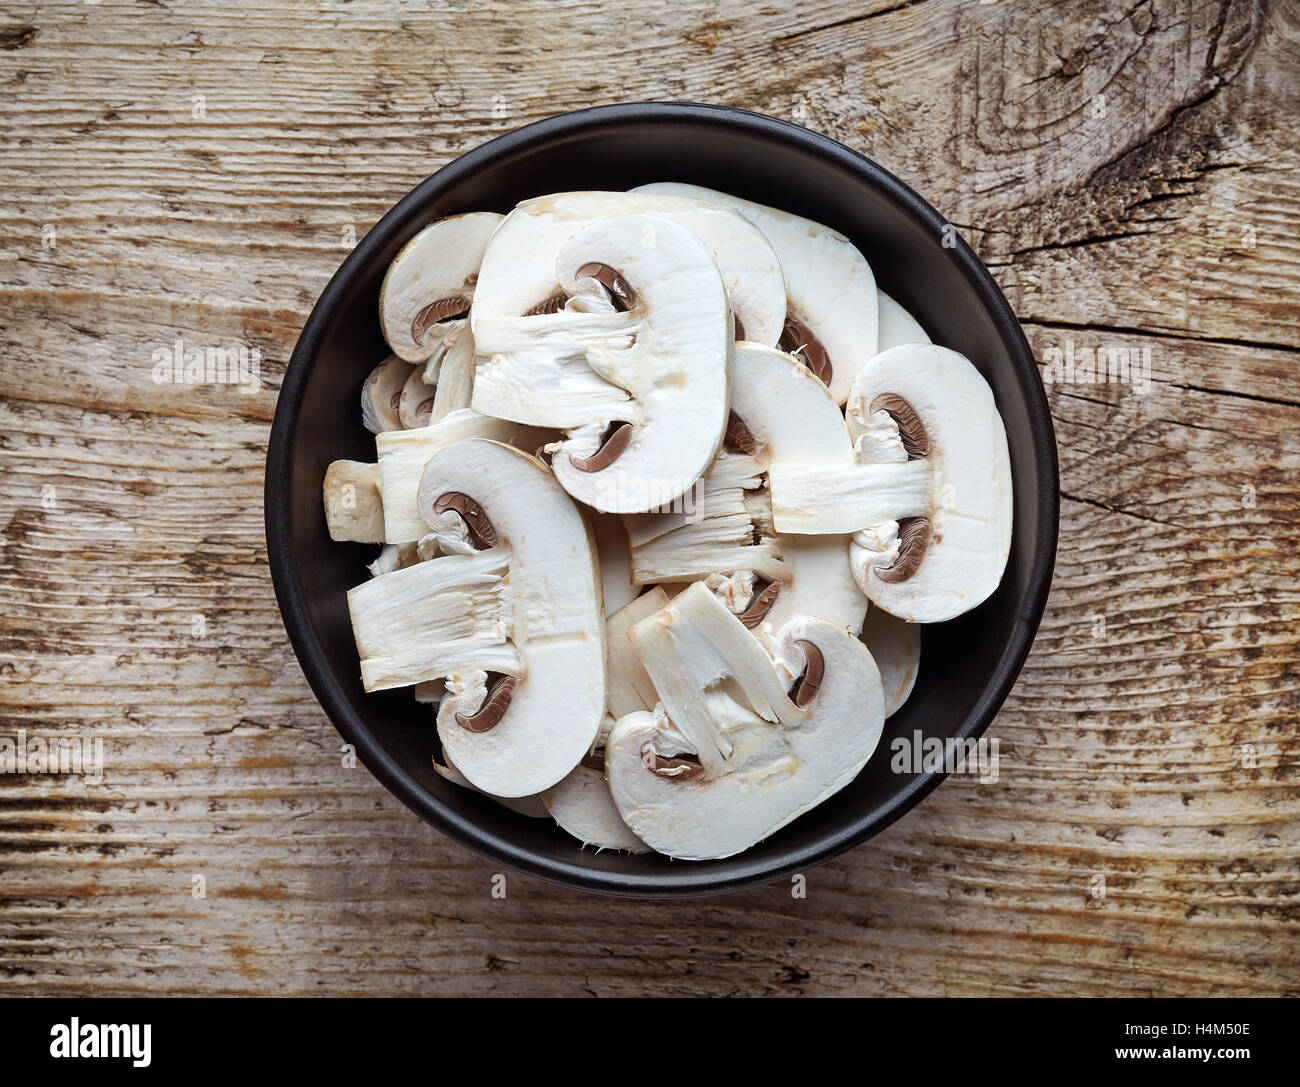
797, 337
679, 769
594, 760
444, 309
911, 430
552, 304
738, 438
808, 684
765, 594
913, 540
620, 291
613, 444
500, 692
480, 526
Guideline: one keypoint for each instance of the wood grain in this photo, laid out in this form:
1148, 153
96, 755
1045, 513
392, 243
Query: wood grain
1130, 171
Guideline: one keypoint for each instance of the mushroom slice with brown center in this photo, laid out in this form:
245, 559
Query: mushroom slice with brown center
429, 287
381, 395
831, 300
728, 757
779, 413
514, 626
930, 500
403, 455
533, 234
637, 376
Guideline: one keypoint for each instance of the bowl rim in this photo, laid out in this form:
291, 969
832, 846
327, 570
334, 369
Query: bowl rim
686, 880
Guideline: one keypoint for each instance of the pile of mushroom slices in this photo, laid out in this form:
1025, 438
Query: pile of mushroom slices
665, 489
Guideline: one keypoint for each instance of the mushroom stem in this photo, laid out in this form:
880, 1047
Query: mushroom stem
808, 498
433, 619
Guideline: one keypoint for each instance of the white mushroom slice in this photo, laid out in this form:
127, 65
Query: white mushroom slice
831, 302
728, 758
934, 530
581, 803
415, 404
642, 388
530, 806
897, 326
404, 453
616, 584
896, 648
381, 395
354, 510
518, 274
455, 378
430, 283
516, 728
780, 412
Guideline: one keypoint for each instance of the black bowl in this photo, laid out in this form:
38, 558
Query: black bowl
968, 665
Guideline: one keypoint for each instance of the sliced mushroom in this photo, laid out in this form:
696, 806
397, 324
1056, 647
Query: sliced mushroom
895, 646
533, 234
523, 732
430, 284
617, 589
381, 395
354, 509
785, 415
581, 803
415, 404
897, 327
404, 453
728, 757
831, 301
530, 806
660, 367
455, 380
932, 514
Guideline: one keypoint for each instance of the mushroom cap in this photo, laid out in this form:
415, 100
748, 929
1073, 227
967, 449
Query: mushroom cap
551, 599
776, 771
969, 509
381, 395
793, 417
895, 646
830, 287
439, 263
518, 271
659, 372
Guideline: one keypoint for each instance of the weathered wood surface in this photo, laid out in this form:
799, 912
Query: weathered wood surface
1130, 172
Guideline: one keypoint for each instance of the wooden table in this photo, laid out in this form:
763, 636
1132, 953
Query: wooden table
1129, 171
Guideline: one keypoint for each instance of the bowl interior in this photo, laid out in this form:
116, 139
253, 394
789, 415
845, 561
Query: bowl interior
967, 666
